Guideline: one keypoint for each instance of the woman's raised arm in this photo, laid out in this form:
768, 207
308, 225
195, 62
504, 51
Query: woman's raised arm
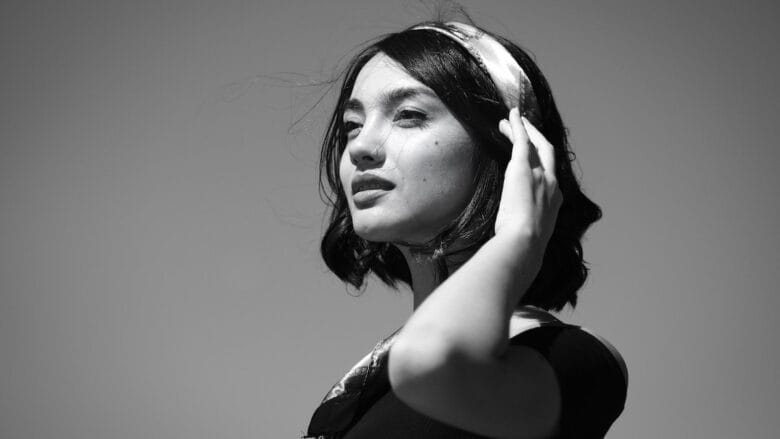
452, 361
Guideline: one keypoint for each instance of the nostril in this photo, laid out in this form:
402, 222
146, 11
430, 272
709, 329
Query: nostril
365, 158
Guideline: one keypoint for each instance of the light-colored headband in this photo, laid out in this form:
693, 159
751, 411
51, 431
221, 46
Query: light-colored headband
512, 82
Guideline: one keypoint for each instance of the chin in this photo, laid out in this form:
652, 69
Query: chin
375, 228
374, 234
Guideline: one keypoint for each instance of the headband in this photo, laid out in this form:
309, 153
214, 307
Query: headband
512, 82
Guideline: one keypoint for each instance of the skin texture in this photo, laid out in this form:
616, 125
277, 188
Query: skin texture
452, 361
415, 143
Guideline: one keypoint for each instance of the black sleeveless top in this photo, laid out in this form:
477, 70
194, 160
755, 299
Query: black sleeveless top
591, 379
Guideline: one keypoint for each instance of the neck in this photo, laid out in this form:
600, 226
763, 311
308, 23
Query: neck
423, 270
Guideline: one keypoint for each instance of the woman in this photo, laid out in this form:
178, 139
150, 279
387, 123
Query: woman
450, 171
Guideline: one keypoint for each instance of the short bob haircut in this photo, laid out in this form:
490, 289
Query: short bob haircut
468, 92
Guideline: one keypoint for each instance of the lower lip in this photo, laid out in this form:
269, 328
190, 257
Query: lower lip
364, 198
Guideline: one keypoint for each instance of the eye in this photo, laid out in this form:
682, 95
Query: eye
410, 118
351, 128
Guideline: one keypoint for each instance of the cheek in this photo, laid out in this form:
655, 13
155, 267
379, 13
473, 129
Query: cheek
345, 173
442, 178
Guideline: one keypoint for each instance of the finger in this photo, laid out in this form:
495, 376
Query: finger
543, 147
520, 146
506, 129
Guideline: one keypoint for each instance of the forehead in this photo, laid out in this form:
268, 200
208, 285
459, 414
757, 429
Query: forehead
380, 75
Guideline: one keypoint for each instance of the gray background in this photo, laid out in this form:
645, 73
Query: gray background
159, 219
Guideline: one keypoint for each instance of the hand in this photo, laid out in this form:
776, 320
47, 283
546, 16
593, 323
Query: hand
530, 198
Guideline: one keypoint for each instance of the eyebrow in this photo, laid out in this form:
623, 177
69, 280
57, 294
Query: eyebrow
392, 97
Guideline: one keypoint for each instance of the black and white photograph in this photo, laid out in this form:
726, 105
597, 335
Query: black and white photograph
409, 219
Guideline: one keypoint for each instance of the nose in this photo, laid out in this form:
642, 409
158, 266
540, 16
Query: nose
367, 150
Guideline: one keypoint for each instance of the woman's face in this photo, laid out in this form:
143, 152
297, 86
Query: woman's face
407, 169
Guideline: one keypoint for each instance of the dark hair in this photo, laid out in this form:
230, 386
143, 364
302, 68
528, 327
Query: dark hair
468, 92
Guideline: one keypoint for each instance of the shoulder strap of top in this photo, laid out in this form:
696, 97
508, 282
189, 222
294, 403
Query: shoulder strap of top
530, 317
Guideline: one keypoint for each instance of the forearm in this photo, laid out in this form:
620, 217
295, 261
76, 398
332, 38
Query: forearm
469, 313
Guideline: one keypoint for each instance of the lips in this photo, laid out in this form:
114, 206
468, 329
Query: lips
365, 182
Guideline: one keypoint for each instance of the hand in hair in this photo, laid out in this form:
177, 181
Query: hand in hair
530, 198
452, 360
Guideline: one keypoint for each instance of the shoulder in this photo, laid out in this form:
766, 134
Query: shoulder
571, 344
590, 374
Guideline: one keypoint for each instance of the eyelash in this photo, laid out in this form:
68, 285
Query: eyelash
418, 117
350, 125
409, 119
